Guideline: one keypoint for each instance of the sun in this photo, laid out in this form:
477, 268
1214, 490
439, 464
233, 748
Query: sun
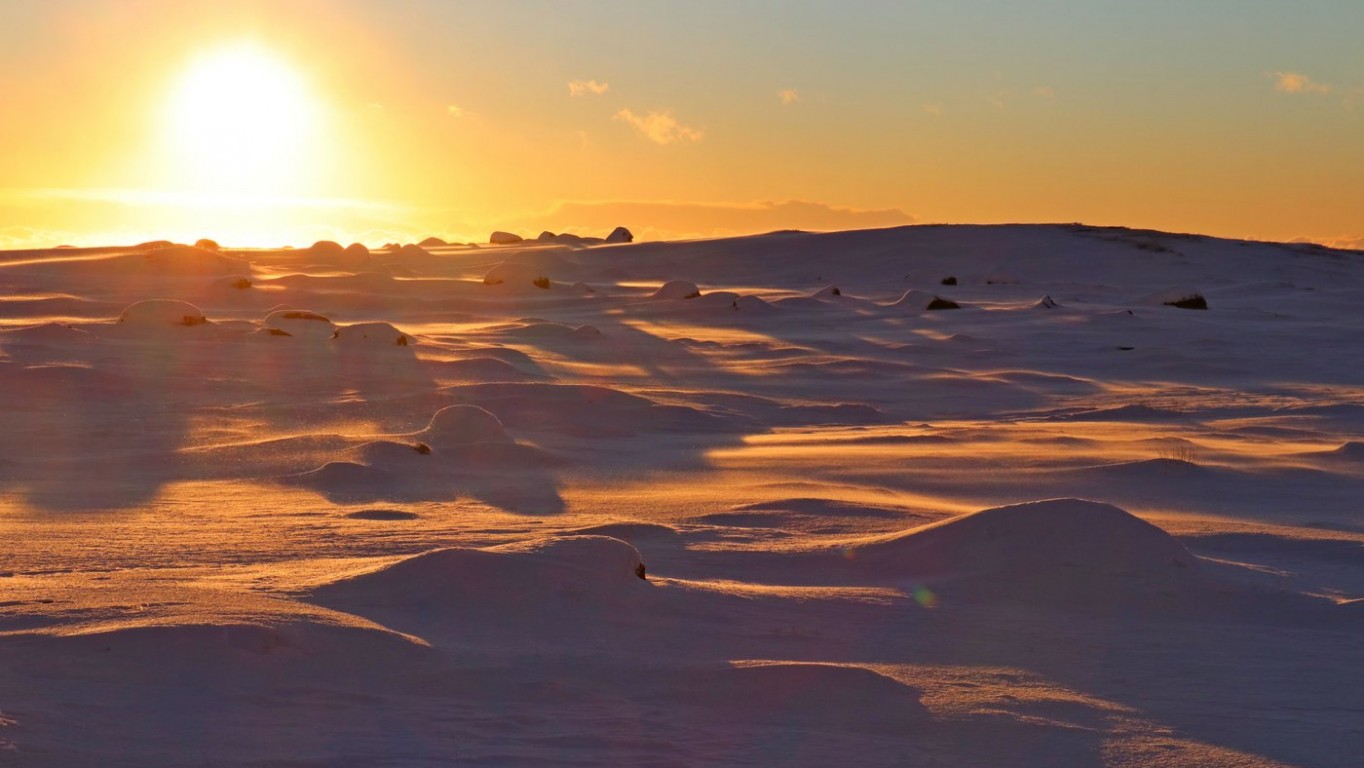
241, 120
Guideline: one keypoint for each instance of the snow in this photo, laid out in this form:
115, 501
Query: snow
412, 508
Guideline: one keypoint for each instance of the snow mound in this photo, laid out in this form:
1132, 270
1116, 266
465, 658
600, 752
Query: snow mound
753, 304
676, 289
343, 477
326, 250
47, 334
504, 238
1352, 450
355, 254
237, 648
513, 357
461, 425
1038, 548
923, 300
794, 693
567, 238
161, 313
517, 274
182, 260
300, 322
629, 531
371, 336
620, 235
707, 303
800, 302
579, 568
233, 283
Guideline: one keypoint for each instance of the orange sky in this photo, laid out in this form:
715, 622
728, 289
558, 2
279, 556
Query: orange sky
263, 123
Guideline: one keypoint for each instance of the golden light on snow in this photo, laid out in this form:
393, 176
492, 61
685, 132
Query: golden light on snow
241, 120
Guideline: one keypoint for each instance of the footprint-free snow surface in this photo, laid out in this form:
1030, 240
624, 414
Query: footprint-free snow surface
789, 500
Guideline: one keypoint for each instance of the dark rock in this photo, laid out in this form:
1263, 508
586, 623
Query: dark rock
1195, 301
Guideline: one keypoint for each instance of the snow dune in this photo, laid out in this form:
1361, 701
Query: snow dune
932, 495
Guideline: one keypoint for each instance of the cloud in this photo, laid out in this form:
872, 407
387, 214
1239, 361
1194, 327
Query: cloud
1044, 92
585, 87
655, 220
933, 109
1294, 82
454, 110
660, 126
788, 96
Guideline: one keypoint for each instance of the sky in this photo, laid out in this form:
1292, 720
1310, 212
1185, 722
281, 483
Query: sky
267, 123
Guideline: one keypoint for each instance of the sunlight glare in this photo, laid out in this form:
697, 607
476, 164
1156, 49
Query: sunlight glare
241, 121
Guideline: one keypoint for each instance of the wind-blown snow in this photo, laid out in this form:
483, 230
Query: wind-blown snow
751, 501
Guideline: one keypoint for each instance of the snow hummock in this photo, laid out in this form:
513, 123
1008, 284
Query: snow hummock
161, 313
376, 335
301, 322
676, 289
1038, 547
461, 425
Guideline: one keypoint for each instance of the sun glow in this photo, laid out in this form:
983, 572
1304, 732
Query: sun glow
240, 121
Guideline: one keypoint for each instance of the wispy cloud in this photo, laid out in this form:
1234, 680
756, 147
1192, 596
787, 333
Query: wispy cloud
454, 110
1296, 82
1044, 92
788, 96
933, 109
660, 126
586, 87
